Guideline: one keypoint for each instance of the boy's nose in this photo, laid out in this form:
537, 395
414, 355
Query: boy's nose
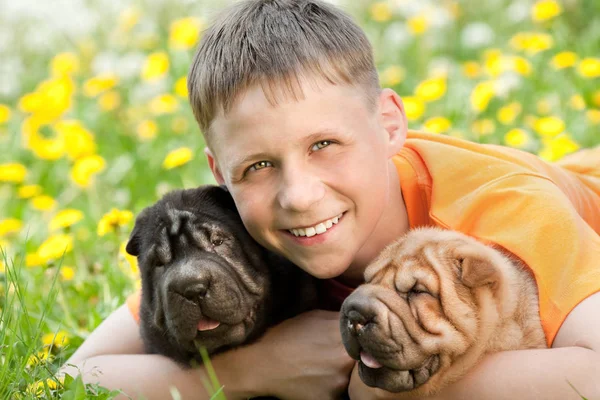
300, 192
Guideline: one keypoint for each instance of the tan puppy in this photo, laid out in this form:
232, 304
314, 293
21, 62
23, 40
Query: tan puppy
433, 304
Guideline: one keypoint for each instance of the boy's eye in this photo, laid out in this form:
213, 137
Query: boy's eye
320, 145
259, 165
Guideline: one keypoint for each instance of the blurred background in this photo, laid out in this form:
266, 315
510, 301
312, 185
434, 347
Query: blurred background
95, 125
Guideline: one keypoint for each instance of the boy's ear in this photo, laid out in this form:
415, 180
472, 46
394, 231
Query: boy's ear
212, 163
393, 118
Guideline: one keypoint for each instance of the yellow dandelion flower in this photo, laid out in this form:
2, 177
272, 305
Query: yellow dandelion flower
521, 66
179, 125
555, 148
29, 191
544, 10
392, 75
178, 157
2, 270
593, 116
381, 11
181, 89
12, 172
418, 24
516, 138
147, 129
589, 67
549, 126
86, 168
65, 218
55, 246
112, 220
38, 389
184, 33
564, 59
51, 99
483, 127
431, 89
33, 260
531, 42
67, 273
43, 202
130, 261
437, 125
109, 101
5, 113
493, 62
9, 226
99, 84
577, 102
481, 95
79, 142
414, 107
49, 147
129, 18
39, 357
471, 69
507, 114
156, 66
163, 104
58, 339
64, 64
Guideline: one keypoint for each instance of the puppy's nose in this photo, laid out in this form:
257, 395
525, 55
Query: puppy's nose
193, 287
195, 291
359, 315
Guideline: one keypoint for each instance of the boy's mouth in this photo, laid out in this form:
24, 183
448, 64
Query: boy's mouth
317, 229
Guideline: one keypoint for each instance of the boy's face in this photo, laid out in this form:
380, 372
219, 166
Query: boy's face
320, 163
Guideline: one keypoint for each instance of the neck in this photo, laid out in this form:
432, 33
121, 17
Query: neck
392, 224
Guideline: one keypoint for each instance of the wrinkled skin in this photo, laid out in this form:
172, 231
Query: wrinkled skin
433, 304
205, 281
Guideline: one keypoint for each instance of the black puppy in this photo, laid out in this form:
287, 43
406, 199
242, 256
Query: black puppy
205, 281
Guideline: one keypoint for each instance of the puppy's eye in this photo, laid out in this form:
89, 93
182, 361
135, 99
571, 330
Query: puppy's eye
217, 242
418, 289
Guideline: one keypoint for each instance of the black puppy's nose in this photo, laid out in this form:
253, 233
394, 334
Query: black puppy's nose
193, 285
195, 291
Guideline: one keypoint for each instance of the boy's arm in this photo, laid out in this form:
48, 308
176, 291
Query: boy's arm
541, 374
301, 356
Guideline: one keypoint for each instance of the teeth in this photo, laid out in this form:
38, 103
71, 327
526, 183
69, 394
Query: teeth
317, 229
320, 228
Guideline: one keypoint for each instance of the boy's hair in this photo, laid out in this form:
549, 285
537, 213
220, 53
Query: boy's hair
275, 43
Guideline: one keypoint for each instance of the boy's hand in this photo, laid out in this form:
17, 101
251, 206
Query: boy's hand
304, 358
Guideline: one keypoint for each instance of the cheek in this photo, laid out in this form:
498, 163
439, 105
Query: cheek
253, 209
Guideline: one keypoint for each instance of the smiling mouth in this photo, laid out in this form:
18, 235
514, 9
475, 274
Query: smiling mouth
317, 229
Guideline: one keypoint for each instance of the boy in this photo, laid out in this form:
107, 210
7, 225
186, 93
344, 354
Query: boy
287, 96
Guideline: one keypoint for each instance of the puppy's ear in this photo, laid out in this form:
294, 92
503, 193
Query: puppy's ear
475, 268
222, 196
134, 245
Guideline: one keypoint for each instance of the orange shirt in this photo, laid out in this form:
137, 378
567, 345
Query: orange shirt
546, 214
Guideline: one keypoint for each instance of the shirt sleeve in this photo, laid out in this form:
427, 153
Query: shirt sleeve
133, 303
529, 216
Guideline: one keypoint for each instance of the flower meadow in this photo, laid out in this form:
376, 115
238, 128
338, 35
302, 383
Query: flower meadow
95, 125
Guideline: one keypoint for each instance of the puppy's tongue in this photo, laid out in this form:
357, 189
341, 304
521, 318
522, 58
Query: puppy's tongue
369, 360
206, 324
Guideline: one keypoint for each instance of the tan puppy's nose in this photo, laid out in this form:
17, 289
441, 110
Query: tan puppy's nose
358, 313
